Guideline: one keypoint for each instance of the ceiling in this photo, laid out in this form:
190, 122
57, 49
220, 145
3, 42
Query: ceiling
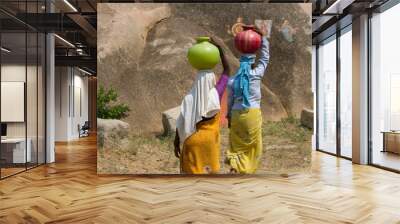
331, 15
74, 22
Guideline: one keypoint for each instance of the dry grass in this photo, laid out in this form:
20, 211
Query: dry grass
287, 146
287, 149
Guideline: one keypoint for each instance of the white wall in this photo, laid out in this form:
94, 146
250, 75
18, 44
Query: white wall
33, 127
71, 87
80, 104
16, 73
62, 82
12, 73
13, 100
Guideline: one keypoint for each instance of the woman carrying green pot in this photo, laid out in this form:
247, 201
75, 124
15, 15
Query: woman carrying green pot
198, 122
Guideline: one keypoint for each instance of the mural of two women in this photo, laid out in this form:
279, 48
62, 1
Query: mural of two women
198, 123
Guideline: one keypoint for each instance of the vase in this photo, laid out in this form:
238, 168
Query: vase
248, 41
203, 55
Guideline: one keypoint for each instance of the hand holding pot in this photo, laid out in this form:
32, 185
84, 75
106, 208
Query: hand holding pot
263, 27
225, 64
262, 31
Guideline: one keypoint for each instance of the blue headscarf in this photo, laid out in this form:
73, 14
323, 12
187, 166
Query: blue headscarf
242, 79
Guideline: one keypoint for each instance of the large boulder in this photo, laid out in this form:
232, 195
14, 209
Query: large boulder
307, 118
149, 67
169, 118
112, 134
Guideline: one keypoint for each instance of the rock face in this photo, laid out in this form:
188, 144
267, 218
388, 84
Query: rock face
307, 118
112, 134
169, 118
148, 67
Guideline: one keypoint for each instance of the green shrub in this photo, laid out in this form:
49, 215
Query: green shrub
108, 106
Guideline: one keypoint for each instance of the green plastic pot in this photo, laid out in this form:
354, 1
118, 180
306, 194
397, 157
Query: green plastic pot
203, 55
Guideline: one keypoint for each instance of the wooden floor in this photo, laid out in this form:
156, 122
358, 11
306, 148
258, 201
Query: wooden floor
387, 159
5, 172
69, 191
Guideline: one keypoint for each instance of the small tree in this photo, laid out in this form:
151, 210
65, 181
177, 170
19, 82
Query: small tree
108, 106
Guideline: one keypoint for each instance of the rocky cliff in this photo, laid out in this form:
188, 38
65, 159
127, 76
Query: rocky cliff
142, 53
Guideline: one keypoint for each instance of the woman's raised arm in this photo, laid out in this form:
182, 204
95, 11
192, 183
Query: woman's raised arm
223, 80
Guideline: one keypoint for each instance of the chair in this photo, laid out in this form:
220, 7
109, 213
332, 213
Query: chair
84, 130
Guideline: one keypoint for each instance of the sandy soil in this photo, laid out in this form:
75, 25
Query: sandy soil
287, 149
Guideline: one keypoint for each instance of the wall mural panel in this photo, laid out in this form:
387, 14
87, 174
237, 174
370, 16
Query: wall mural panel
150, 92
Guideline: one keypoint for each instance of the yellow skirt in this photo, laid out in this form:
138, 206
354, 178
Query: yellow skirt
201, 151
245, 140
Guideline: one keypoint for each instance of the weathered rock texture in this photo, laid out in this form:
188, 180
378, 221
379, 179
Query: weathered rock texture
112, 134
307, 118
142, 53
169, 118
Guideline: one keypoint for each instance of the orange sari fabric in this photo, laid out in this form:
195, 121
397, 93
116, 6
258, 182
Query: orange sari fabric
201, 151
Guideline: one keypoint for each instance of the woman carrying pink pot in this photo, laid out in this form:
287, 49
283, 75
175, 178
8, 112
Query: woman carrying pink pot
244, 98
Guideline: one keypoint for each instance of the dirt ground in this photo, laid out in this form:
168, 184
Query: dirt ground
287, 149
